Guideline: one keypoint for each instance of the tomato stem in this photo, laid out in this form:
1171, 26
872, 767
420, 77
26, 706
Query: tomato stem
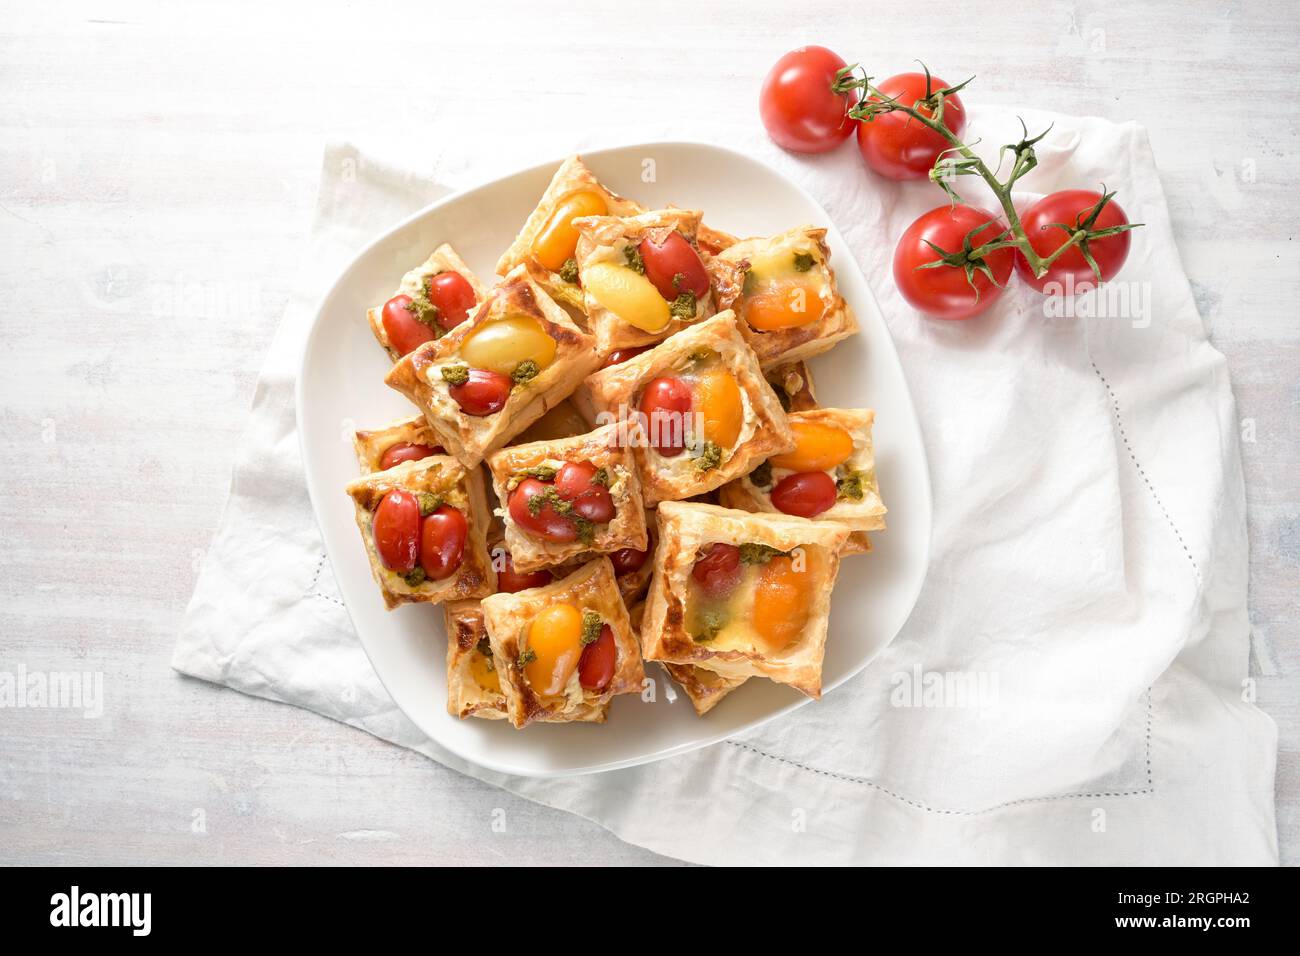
947, 167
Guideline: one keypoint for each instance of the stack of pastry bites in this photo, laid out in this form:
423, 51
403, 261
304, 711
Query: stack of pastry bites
663, 484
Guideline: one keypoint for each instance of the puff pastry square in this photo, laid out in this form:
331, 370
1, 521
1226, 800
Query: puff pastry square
858, 506
422, 376
605, 450
473, 687
461, 488
765, 281
371, 446
615, 240
508, 618
573, 177
698, 355
772, 623
415, 285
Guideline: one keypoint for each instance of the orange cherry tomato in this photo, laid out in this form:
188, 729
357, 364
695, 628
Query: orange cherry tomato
806, 494
782, 600
718, 398
442, 542
674, 266
407, 451
818, 447
599, 658
397, 531
665, 403
454, 297
484, 394
405, 332
558, 239
783, 304
555, 639
717, 570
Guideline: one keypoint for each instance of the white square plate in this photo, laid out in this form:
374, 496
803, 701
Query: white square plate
341, 381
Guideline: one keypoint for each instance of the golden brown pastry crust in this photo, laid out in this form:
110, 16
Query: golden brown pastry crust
466, 697
507, 617
793, 384
560, 421
684, 529
572, 176
672, 479
859, 517
782, 346
443, 259
459, 487
371, 445
633, 584
468, 437
603, 239
704, 689
602, 448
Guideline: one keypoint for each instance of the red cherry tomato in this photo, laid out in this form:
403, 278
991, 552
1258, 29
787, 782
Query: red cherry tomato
943, 292
546, 524
454, 297
619, 356
805, 494
510, 581
485, 393
405, 332
397, 531
665, 403
598, 660
1071, 272
628, 561
799, 105
897, 146
674, 259
442, 542
407, 451
590, 500
717, 570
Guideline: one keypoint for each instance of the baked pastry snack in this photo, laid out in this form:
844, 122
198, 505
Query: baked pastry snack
642, 276
703, 412
703, 688
563, 650
742, 595
829, 477
793, 384
424, 524
432, 299
560, 421
569, 497
491, 377
548, 239
409, 439
784, 291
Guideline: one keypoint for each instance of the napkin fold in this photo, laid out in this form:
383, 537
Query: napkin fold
1072, 687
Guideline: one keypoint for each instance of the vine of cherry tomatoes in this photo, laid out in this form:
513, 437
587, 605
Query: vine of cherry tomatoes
953, 262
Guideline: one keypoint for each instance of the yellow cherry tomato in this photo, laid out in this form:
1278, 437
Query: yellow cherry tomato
557, 240
502, 344
480, 669
818, 448
629, 295
783, 597
717, 396
555, 638
783, 304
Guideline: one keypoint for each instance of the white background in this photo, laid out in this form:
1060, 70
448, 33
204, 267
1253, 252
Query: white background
158, 163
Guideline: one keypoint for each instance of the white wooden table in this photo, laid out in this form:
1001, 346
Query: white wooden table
157, 170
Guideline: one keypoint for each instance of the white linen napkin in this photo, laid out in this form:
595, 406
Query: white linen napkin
1072, 687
